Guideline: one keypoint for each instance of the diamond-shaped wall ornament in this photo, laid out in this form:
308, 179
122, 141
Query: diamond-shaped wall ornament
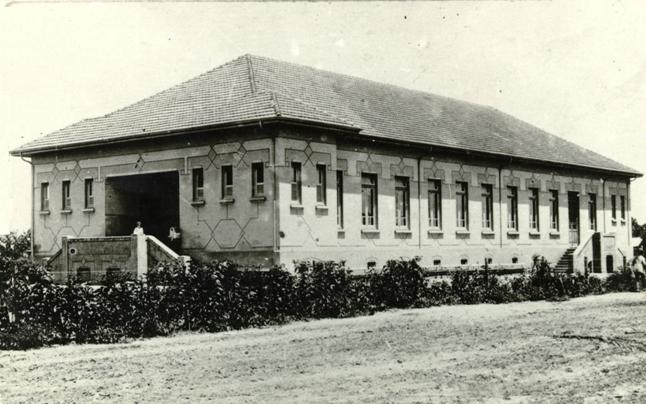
54, 173
212, 154
139, 164
77, 170
308, 151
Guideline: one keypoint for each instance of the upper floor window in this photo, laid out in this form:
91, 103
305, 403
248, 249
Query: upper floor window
257, 179
297, 185
198, 184
44, 196
321, 184
462, 204
435, 203
512, 208
67, 199
89, 193
339, 199
613, 206
227, 182
487, 206
622, 203
402, 202
369, 199
592, 211
533, 209
554, 209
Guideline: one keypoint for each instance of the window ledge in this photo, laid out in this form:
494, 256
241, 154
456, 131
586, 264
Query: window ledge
555, 233
435, 231
488, 233
403, 231
369, 230
88, 210
512, 232
44, 212
613, 222
198, 203
534, 233
321, 208
623, 222
296, 205
462, 232
259, 198
340, 230
227, 201
66, 211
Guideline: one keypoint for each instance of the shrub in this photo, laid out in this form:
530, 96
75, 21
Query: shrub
326, 289
400, 284
479, 287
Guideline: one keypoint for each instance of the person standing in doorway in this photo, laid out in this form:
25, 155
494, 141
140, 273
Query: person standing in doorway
173, 238
138, 231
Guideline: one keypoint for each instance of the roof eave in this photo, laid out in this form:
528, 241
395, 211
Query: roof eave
27, 152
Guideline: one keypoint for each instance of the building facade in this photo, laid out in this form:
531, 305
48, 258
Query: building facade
306, 180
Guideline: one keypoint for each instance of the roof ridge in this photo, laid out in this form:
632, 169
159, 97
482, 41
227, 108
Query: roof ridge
298, 100
252, 79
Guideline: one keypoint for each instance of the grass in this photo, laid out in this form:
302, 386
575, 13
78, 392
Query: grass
589, 350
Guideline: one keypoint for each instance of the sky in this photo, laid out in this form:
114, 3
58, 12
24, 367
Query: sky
574, 68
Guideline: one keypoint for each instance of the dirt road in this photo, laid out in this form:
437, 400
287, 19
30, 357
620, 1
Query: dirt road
590, 350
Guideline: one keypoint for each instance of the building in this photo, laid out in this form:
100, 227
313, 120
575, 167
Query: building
266, 162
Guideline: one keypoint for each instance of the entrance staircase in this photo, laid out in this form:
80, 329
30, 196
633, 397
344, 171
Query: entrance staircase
566, 263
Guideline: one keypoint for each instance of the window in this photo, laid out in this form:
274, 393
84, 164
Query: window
592, 211
402, 202
554, 209
462, 204
622, 201
257, 179
227, 182
83, 274
89, 193
512, 208
435, 203
369, 199
44, 196
437, 262
339, 199
321, 184
613, 206
533, 209
487, 206
464, 261
67, 200
198, 184
297, 185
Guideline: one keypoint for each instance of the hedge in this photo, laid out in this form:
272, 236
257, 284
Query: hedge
222, 296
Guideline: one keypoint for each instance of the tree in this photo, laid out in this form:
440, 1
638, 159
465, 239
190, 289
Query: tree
639, 230
14, 246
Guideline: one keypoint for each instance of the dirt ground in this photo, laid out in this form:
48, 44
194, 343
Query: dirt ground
588, 350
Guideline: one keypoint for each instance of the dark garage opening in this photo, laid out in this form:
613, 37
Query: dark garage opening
152, 199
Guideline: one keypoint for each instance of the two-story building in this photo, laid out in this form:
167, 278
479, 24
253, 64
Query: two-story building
266, 162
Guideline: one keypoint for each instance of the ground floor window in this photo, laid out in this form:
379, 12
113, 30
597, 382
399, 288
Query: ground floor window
369, 199
44, 196
533, 209
554, 209
339, 199
462, 204
512, 208
89, 193
227, 182
487, 206
198, 184
67, 199
257, 179
435, 204
592, 211
296, 182
402, 202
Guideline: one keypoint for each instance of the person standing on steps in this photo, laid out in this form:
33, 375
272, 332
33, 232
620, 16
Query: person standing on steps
639, 262
138, 231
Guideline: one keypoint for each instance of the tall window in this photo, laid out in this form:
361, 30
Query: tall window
462, 204
435, 203
227, 182
402, 202
592, 211
554, 209
44, 196
533, 209
89, 193
487, 206
297, 185
321, 184
622, 202
613, 206
198, 184
339, 199
512, 208
257, 179
67, 200
369, 199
